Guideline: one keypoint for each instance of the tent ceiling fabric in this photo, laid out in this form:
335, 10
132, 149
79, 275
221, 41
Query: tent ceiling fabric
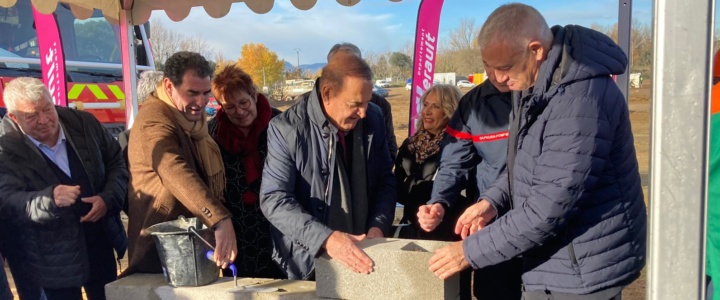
176, 10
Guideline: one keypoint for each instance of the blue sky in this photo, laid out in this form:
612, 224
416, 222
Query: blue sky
373, 25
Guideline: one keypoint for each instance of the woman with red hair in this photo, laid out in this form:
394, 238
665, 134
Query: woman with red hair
240, 129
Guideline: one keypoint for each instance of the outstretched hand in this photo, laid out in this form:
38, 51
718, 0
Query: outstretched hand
341, 246
474, 218
448, 260
225, 243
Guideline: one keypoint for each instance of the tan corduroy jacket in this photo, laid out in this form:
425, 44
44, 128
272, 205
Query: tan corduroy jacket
166, 181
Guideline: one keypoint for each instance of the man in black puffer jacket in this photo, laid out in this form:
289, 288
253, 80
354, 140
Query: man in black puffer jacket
62, 183
570, 203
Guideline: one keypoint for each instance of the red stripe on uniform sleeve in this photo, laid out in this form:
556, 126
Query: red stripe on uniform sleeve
458, 134
489, 137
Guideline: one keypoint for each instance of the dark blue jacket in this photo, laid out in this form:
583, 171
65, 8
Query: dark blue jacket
476, 143
574, 208
296, 175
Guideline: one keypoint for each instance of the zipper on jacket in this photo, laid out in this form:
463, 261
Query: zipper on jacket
522, 127
329, 160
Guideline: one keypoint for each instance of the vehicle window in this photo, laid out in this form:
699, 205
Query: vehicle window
97, 40
90, 40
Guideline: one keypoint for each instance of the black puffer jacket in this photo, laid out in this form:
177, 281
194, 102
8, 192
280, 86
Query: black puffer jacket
52, 238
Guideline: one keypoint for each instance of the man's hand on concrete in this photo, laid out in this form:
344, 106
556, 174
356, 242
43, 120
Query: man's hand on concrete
98, 210
374, 232
341, 246
448, 260
65, 195
225, 243
430, 216
475, 218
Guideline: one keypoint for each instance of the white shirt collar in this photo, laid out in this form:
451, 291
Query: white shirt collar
61, 139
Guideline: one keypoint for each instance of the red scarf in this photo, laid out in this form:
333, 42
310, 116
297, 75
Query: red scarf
233, 141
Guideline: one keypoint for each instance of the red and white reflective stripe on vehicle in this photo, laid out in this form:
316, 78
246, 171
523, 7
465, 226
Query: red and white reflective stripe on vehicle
488, 137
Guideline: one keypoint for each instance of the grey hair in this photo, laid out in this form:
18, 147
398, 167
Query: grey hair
517, 24
345, 47
147, 83
449, 96
25, 90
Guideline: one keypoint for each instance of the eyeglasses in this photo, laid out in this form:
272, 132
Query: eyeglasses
243, 104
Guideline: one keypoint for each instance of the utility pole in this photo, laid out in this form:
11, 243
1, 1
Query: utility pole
298, 62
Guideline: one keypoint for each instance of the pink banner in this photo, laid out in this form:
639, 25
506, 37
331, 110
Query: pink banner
426, 38
52, 57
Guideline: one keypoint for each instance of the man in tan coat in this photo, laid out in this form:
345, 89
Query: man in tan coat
175, 166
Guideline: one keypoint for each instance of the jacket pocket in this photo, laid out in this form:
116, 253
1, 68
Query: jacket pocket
571, 248
571, 253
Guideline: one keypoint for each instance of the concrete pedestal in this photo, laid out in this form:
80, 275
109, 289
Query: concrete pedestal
400, 272
154, 287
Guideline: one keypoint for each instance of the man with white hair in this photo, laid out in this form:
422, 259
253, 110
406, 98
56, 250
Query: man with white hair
62, 184
570, 202
147, 83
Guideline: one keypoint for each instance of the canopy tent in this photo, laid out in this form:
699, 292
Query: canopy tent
176, 10
135, 12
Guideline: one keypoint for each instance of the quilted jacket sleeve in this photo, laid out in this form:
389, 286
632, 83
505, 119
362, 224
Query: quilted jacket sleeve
574, 147
34, 206
114, 191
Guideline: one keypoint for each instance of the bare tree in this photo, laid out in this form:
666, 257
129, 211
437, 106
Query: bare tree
379, 63
458, 52
220, 61
165, 42
408, 49
642, 47
641, 44
197, 44
463, 37
444, 60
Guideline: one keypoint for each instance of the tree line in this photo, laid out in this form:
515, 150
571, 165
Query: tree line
456, 52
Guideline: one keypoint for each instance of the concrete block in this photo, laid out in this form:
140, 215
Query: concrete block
400, 272
154, 287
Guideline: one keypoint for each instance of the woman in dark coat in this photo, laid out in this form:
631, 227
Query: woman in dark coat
418, 160
240, 129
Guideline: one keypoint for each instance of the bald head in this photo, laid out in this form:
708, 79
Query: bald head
516, 25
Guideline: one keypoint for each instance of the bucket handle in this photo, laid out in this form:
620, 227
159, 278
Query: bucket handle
209, 254
192, 229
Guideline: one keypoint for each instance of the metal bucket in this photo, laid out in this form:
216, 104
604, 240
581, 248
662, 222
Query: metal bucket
182, 254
